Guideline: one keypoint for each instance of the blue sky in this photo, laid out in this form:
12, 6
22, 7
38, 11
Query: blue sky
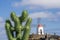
47, 10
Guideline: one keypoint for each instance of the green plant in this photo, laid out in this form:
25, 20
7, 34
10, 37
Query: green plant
21, 32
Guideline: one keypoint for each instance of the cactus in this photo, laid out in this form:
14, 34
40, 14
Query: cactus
21, 32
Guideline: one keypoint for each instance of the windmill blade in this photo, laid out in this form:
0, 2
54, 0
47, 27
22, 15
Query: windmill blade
44, 25
38, 20
33, 25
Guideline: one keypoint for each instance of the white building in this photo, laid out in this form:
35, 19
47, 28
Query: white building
40, 29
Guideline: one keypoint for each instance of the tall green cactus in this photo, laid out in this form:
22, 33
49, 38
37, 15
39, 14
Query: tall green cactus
21, 32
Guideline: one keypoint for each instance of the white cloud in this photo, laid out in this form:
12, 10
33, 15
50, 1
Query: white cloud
58, 13
41, 15
2, 29
48, 15
2, 32
3, 35
1, 22
1, 19
42, 3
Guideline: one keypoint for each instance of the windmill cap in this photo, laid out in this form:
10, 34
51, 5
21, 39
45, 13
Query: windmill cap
40, 25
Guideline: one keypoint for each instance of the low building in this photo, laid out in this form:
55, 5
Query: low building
43, 37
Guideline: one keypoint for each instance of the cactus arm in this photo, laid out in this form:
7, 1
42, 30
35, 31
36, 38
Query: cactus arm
14, 17
24, 16
7, 26
27, 30
29, 20
11, 28
17, 26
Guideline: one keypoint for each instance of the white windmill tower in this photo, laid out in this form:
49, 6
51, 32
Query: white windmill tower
40, 29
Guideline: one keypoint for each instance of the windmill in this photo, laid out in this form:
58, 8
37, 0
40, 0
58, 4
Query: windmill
39, 26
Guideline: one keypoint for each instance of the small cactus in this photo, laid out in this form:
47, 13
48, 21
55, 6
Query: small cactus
21, 32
